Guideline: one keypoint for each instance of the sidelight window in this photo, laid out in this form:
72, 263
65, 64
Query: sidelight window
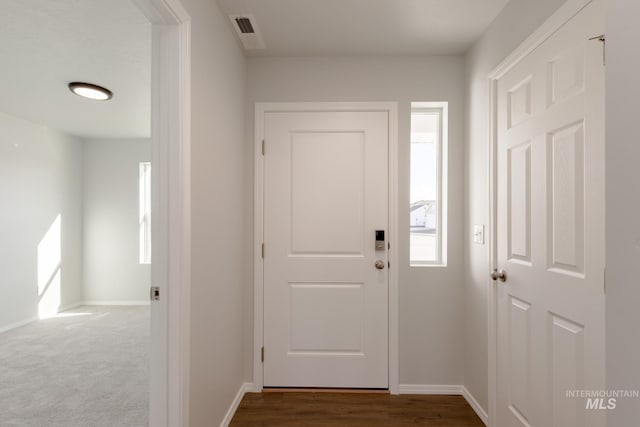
427, 184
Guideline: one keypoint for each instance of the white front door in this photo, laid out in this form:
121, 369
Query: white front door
550, 216
325, 301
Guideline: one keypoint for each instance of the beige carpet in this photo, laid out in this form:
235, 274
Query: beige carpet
88, 367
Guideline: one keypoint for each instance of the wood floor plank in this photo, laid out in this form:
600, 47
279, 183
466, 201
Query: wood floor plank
353, 410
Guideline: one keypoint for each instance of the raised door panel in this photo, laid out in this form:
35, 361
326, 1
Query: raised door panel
326, 318
566, 199
519, 360
327, 186
565, 75
519, 103
566, 343
519, 203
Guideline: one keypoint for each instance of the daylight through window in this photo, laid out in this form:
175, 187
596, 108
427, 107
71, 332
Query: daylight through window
425, 202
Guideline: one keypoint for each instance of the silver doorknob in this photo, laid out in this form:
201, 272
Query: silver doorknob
499, 275
379, 264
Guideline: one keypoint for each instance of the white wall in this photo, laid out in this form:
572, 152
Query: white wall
40, 178
218, 261
516, 21
623, 207
111, 269
431, 313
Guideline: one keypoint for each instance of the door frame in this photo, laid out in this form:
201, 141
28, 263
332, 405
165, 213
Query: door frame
171, 207
556, 21
261, 108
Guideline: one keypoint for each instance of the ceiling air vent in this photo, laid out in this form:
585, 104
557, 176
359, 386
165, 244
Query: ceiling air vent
245, 25
248, 31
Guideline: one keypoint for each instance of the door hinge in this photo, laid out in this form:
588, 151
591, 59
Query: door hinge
263, 149
262, 354
262, 251
154, 293
388, 264
602, 38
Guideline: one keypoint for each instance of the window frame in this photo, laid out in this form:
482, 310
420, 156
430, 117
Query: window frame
441, 149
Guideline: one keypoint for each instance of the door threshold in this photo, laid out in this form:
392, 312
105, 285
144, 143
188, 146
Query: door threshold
323, 390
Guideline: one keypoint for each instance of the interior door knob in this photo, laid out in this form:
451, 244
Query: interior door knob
379, 264
499, 275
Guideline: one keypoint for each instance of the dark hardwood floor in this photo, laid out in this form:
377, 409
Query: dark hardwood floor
309, 409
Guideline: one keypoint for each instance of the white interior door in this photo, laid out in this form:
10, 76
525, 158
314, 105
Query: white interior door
325, 301
550, 216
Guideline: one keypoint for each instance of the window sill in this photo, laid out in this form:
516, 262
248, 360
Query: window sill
426, 264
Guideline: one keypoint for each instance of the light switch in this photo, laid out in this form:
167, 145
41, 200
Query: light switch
478, 234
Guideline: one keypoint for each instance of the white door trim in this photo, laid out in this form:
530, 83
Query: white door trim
260, 110
171, 207
567, 11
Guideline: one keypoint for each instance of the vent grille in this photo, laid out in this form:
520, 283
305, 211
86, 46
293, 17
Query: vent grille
245, 25
247, 29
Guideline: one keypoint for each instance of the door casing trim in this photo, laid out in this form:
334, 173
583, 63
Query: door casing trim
567, 11
171, 206
258, 311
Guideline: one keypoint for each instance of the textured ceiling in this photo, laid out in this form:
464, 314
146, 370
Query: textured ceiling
367, 27
45, 44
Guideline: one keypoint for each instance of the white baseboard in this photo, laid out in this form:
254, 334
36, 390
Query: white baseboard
484, 417
244, 388
14, 325
99, 302
430, 389
459, 390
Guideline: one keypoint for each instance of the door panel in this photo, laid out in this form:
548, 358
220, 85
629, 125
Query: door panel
520, 357
566, 198
519, 216
550, 232
325, 303
327, 222
336, 331
567, 366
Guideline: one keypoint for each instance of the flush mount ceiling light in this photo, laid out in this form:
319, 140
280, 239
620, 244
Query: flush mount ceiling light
87, 90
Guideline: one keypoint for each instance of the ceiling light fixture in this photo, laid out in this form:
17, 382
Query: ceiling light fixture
88, 90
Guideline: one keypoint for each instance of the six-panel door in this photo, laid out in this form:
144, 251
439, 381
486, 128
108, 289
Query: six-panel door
551, 230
